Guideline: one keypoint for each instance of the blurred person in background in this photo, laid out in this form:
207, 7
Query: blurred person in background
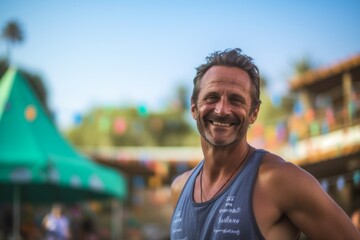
237, 191
56, 224
355, 218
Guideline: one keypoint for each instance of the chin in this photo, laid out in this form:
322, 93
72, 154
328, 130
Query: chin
221, 143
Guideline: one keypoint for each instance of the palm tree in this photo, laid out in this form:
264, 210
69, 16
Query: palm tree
12, 33
303, 65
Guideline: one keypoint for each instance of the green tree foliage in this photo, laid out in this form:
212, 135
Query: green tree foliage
3, 66
183, 98
131, 127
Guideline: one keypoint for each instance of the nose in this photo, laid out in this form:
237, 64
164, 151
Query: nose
222, 107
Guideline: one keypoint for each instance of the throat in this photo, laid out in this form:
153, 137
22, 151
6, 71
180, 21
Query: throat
207, 192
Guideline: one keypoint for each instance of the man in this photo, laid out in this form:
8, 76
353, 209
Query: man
237, 191
56, 224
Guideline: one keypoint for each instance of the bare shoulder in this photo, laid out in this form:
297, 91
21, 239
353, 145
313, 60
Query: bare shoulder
285, 180
273, 163
178, 184
278, 171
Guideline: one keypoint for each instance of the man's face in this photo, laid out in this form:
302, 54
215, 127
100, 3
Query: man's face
222, 111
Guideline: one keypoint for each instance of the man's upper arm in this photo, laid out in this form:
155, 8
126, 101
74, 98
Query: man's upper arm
310, 208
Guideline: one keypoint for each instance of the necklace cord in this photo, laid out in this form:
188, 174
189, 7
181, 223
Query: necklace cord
232, 174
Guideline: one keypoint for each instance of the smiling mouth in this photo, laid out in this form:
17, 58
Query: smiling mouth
221, 124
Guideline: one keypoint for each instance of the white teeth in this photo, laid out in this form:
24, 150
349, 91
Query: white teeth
221, 124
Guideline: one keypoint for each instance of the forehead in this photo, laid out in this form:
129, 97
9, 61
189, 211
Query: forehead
221, 76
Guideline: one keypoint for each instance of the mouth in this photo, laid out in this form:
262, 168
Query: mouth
221, 124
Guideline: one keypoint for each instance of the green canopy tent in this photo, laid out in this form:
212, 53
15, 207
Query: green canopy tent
37, 164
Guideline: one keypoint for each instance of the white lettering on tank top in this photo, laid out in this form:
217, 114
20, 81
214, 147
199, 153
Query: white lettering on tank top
228, 221
177, 224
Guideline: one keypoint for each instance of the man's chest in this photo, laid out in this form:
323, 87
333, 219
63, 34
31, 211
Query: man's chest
228, 217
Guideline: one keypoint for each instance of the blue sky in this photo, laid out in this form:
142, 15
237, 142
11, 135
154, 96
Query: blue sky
115, 53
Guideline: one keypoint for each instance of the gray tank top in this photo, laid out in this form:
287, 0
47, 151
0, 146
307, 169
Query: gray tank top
229, 215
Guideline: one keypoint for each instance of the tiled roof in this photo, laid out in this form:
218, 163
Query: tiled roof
319, 74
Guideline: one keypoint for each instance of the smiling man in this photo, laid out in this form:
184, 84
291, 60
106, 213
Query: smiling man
237, 191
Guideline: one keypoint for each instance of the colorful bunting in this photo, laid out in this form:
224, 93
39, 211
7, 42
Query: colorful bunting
298, 108
280, 131
314, 128
78, 118
324, 127
329, 116
340, 183
325, 184
138, 182
258, 130
30, 113
293, 138
119, 125
356, 177
142, 111
104, 124
351, 109
310, 115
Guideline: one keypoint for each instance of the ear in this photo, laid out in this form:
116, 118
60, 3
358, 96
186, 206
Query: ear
254, 114
193, 110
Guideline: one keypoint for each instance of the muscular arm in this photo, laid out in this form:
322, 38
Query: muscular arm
313, 211
299, 196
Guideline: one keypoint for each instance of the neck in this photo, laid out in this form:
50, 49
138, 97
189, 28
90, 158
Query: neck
222, 157
218, 170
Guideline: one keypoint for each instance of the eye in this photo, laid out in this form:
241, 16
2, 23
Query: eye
211, 98
237, 100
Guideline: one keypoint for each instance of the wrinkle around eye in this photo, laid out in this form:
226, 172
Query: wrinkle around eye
201, 103
237, 101
237, 98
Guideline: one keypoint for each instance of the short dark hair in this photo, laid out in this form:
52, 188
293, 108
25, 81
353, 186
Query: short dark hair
230, 58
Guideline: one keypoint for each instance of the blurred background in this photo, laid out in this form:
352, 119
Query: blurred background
114, 79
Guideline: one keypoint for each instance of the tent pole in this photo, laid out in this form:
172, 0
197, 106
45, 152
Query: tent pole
116, 219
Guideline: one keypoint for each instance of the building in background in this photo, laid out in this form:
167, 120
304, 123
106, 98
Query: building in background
322, 132
325, 127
